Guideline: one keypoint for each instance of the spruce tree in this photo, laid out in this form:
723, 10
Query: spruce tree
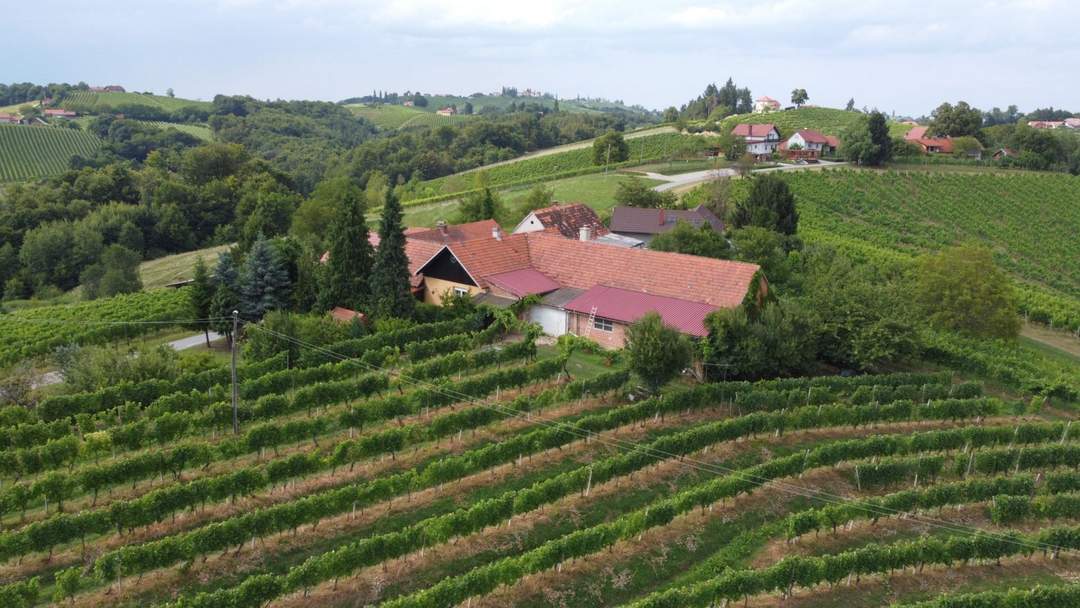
264, 280
200, 297
226, 297
345, 282
390, 272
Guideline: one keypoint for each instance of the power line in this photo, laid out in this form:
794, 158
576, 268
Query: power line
706, 467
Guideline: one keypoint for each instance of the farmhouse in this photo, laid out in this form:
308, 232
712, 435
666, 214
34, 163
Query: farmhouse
112, 88
447, 111
583, 287
808, 144
929, 145
765, 104
1046, 124
59, 113
644, 224
761, 140
10, 119
1001, 153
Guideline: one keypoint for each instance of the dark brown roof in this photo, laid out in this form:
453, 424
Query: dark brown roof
569, 219
656, 221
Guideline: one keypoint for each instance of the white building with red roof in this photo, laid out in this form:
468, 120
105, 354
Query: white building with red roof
766, 104
929, 145
761, 139
808, 144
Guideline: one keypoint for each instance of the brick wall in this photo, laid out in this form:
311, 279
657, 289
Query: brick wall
616, 338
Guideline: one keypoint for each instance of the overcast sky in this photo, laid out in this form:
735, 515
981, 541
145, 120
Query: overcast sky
903, 56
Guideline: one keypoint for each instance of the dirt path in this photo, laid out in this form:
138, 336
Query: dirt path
1063, 341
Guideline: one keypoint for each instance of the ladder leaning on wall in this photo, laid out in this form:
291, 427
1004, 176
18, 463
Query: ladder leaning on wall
592, 321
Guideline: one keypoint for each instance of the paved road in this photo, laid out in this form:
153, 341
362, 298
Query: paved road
193, 341
695, 177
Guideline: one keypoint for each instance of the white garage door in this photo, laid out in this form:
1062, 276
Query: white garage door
553, 320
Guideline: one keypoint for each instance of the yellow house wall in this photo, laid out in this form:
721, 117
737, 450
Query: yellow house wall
435, 288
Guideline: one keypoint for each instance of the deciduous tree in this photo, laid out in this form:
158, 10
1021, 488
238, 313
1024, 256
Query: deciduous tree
657, 353
961, 288
770, 205
610, 148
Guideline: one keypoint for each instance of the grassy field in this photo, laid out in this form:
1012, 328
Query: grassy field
89, 101
390, 117
596, 191
827, 120
179, 267
28, 152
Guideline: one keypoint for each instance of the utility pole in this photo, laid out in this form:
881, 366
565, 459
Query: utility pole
235, 387
607, 159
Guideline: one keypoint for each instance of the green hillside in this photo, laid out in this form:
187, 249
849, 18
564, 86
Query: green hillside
1031, 221
389, 117
27, 152
203, 132
827, 120
89, 101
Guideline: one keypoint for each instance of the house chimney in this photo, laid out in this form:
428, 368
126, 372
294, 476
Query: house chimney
496, 233
585, 233
441, 225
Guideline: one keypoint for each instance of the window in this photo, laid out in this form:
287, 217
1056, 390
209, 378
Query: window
461, 291
602, 324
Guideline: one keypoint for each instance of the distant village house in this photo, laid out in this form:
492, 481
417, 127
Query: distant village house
761, 140
766, 104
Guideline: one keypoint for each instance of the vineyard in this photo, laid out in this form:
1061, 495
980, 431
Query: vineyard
455, 463
93, 102
203, 132
573, 162
390, 117
827, 120
27, 152
893, 216
36, 331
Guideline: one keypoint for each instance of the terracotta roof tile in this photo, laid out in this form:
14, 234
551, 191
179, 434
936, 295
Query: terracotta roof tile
585, 265
523, 282
456, 233
629, 306
569, 219
748, 130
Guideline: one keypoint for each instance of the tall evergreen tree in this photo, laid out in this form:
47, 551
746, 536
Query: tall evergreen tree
226, 297
770, 205
200, 297
390, 272
345, 282
264, 280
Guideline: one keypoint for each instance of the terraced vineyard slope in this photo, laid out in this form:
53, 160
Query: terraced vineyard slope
93, 102
27, 152
897, 215
454, 463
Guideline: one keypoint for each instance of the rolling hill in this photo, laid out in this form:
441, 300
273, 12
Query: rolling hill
389, 117
827, 120
93, 102
28, 152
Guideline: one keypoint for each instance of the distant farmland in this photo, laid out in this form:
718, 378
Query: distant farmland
390, 117
829, 121
28, 152
90, 101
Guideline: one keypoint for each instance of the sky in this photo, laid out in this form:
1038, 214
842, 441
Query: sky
903, 56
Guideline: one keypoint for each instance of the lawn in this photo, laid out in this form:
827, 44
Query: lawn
675, 167
595, 190
162, 271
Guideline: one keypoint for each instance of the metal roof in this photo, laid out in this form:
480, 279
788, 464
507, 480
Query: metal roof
523, 282
561, 296
629, 306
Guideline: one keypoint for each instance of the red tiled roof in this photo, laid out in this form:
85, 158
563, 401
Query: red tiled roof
482, 258
747, 130
915, 133
655, 221
629, 306
812, 137
524, 282
456, 233
346, 314
833, 141
585, 264
766, 98
569, 219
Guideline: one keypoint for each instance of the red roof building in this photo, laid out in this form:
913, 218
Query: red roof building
929, 145
644, 224
682, 288
572, 221
10, 119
